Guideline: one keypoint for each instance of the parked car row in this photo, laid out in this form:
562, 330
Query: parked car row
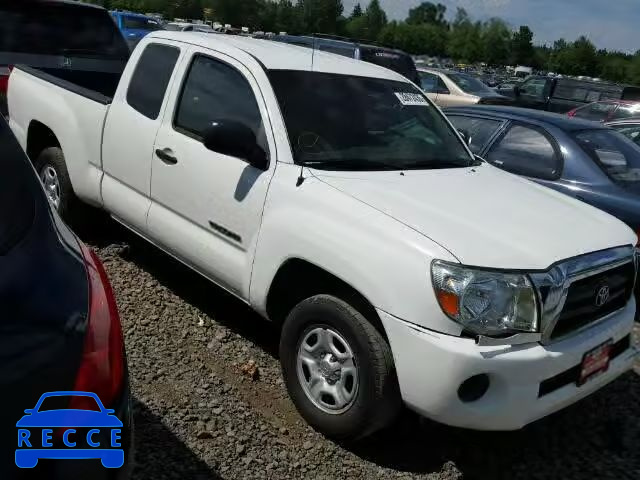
448, 88
564, 94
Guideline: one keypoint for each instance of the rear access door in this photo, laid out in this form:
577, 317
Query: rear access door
130, 131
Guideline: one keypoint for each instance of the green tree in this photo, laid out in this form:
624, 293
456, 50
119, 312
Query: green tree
496, 42
585, 57
357, 12
376, 20
427, 12
522, 52
191, 9
321, 16
465, 38
415, 39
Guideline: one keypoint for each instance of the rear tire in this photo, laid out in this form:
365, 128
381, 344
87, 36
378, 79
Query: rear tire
318, 337
52, 170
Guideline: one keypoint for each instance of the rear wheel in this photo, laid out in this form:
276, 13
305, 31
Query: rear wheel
52, 170
338, 369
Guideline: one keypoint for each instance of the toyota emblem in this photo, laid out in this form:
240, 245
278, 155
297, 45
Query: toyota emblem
602, 295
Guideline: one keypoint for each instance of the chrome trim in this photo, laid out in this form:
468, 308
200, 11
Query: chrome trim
560, 277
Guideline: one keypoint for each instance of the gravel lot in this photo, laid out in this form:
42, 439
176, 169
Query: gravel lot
210, 403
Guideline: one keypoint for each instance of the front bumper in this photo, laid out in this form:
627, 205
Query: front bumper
432, 366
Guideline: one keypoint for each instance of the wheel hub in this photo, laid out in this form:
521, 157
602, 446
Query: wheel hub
51, 183
327, 370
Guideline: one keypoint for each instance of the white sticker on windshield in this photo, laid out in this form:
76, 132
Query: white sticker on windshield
414, 99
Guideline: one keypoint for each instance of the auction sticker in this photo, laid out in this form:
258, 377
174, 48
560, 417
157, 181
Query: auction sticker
412, 99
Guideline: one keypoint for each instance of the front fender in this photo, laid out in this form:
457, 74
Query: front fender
384, 260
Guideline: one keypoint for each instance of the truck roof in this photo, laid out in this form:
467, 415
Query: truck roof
280, 56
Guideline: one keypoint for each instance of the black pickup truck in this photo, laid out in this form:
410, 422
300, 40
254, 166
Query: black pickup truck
563, 94
74, 41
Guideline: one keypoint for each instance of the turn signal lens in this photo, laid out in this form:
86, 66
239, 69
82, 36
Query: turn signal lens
449, 302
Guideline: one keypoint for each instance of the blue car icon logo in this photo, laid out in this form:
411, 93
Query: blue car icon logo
69, 433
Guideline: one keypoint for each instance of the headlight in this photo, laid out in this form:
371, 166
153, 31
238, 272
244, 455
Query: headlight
484, 302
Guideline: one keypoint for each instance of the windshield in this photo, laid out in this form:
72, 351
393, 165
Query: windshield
618, 156
396, 61
469, 84
341, 122
61, 402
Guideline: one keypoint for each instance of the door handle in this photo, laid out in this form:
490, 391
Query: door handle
166, 156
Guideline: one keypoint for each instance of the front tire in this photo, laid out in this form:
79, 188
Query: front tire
338, 369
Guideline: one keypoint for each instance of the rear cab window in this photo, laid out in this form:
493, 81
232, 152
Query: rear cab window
397, 61
150, 79
343, 50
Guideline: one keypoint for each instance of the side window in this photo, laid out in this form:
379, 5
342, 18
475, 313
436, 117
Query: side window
429, 82
534, 87
480, 130
631, 132
526, 151
343, 51
596, 111
150, 79
441, 87
626, 111
214, 91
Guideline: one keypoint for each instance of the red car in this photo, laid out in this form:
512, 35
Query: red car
607, 110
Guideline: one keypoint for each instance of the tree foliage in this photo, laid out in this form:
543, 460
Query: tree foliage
428, 29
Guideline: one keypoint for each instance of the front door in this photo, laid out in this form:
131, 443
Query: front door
207, 207
534, 93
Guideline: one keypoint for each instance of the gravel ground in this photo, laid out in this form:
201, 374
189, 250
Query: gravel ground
209, 402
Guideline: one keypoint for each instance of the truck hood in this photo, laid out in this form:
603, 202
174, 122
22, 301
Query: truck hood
486, 217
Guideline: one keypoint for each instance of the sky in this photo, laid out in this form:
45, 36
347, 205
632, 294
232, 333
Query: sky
610, 24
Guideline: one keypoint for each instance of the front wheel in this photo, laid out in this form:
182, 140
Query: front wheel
338, 369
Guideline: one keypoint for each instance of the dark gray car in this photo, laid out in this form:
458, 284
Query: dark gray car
583, 159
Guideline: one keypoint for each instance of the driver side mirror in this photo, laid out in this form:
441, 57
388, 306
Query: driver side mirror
235, 139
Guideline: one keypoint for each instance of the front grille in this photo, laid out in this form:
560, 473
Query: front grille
581, 308
573, 374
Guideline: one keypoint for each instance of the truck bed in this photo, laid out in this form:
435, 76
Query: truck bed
73, 114
97, 86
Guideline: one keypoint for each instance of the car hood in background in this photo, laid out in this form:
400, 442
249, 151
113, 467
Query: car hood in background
495, 99
486, 217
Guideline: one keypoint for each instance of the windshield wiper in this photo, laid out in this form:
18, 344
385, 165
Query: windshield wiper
435, 164
357, 164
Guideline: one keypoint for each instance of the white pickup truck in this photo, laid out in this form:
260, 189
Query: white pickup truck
336, 200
